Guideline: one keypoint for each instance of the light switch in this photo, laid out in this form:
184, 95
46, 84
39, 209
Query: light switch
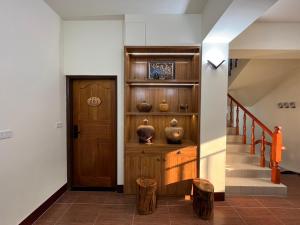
4, 134
59, 125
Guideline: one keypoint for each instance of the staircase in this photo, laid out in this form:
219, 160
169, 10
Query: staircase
246, 172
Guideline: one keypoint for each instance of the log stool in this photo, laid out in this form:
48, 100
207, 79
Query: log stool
146, 195
203, 198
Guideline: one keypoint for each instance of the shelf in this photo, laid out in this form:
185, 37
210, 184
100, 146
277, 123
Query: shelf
161, 114
162, 82
161, 144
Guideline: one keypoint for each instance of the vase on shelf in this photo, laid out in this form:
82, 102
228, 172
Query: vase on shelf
144, 106
173, 133
145, 132
183, 107
164, 106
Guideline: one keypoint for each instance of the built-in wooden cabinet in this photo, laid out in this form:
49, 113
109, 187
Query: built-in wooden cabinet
172, 165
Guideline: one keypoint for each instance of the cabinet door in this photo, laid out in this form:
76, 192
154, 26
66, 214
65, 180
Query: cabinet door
178, 170
187, 163
151, 167
132, 172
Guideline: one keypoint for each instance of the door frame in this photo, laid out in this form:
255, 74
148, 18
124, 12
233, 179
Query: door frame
69, 116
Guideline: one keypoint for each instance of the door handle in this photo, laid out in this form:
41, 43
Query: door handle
76, 131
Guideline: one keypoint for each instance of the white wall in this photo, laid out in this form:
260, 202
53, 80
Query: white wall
33, 162
273, 36
96, 48
163, 29
213, 116
266, 109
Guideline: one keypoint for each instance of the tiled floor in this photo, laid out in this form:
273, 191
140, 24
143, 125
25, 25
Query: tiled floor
105, 208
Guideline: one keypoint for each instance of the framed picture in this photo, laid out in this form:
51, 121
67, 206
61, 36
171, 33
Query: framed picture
161, 70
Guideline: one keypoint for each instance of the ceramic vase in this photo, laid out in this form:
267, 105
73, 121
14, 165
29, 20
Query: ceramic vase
173, 133
144, 106
164, 106
145, 132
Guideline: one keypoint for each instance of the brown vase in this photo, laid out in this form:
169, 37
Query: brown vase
173, 133
145, 132
164, 106
144, 106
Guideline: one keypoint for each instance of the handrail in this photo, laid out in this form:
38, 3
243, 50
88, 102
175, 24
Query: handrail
276, 146
264, 127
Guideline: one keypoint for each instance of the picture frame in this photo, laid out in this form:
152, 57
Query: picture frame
161, 70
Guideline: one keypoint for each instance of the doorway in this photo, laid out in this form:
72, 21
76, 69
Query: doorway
92, 132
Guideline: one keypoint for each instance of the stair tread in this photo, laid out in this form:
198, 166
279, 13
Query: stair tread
246, 166
252, 182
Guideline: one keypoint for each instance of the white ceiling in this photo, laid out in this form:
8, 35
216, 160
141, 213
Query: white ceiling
283, 11
80, 9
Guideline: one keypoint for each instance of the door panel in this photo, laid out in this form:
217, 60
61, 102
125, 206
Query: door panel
94, 150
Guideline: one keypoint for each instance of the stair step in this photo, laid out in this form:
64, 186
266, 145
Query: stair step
247, 170
231, 130
238, 148
253, 186
243, 157
235, 139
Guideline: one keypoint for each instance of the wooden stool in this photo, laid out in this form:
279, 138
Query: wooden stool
203, 198
146, 195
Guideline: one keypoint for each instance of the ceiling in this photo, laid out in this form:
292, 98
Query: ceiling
260, 76
80, 9
283, 11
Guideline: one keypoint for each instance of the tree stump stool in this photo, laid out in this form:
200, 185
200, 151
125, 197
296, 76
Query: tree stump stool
146, 195
203, 198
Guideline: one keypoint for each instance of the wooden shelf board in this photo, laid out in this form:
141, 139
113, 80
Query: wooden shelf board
162, 144
162, 82
161, 114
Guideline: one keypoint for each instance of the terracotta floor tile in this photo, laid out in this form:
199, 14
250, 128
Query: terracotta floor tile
225, 212
226, 221
271, 202
253, 212
80, 213
243, 202
53, 214
286, 213
68, 197
290, 221
262, 221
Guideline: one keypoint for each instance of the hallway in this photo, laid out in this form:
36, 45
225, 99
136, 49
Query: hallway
91, 208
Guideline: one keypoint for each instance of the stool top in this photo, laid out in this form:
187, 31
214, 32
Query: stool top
146, 182
203, 184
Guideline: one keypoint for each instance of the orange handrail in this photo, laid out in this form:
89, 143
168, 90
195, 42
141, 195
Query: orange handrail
276, 144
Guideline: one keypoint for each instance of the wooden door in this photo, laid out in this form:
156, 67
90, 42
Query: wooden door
94, 133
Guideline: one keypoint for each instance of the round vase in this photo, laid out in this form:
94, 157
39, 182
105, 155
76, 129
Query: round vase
164, 106
145, 132
144, 106
173, 133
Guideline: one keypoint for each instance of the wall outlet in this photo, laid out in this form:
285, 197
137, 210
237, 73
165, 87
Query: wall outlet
59, 125
4, 134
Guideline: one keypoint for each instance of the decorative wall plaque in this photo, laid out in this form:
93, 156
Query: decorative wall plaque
161, 70
94, 101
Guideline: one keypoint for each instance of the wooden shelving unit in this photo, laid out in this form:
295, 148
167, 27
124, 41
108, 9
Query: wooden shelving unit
155, 160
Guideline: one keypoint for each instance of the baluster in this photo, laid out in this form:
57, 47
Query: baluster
231, 113
237, 121
276, 154
244, 129
262, 150
253, 138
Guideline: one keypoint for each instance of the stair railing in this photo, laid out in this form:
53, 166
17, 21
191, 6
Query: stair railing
276, 146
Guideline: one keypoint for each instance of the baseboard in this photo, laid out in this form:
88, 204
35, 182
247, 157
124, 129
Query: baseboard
120, 188
43, 207
219, 196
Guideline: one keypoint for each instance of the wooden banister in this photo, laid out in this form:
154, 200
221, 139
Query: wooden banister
259, 123
276, 146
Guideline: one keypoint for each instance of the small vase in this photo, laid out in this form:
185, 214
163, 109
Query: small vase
164, 106
144, 106
173, 133
145, 132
